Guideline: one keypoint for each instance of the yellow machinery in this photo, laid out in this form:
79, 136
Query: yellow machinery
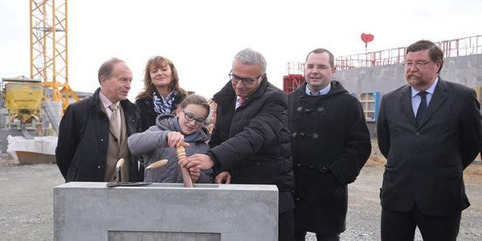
23, 99
28, 101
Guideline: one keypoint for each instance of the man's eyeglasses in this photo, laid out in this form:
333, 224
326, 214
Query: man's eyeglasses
190, 117
247, 81
418, 65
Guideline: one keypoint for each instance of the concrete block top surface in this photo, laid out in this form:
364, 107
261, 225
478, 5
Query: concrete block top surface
176, 186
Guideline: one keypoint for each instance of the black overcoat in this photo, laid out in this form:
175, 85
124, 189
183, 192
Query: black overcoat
330, 143
81, 151
252, 142
147, 112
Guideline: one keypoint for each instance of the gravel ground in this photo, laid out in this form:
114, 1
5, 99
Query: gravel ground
26, 203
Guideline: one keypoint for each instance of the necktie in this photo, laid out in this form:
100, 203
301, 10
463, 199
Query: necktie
241, 101
422, 108
114, 119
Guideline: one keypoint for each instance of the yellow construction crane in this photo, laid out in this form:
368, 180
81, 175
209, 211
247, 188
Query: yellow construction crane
49, 49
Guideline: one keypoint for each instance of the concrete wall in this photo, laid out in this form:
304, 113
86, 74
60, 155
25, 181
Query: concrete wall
466, 70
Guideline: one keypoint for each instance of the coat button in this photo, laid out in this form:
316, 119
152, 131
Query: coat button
417, 133
98, 167
324, 169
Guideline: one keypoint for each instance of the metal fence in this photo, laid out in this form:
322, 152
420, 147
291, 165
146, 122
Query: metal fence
451, 48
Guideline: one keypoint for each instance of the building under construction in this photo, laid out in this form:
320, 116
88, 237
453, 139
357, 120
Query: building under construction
31, 107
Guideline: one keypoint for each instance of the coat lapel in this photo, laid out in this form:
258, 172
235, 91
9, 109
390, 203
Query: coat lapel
439, 96
406, 103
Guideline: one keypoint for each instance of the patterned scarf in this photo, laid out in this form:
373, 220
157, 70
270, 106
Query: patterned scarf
164, 106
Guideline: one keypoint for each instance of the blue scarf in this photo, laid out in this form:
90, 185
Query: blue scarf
164, 106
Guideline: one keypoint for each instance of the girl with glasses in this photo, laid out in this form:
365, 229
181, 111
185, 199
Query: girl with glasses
159, 141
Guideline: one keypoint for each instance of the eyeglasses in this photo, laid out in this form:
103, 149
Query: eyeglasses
247, 81
418, 65
190, 117
318, 66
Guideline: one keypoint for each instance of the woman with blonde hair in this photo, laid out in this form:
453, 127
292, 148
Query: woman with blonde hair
161, 94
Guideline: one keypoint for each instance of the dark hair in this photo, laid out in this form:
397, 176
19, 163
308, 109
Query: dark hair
435, 53
158, 62
320, 51
107, 67
196, 100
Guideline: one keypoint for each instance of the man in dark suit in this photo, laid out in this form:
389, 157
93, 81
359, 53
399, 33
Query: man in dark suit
429, 131
93, 132
250, 139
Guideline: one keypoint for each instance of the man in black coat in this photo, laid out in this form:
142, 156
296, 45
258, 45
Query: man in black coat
429, 131
250, 138
330, 143
89, 144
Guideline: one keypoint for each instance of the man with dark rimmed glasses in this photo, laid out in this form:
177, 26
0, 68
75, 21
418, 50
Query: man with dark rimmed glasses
250, 140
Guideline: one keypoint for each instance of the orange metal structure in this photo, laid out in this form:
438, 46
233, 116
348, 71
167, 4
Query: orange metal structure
291, 82
49, 48
294, 78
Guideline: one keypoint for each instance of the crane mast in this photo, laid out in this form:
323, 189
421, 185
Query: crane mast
49, 49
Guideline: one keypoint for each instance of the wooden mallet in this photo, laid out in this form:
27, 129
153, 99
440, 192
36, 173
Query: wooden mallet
186, 177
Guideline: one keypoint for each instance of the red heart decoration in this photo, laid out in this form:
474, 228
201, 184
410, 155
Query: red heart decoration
367, 37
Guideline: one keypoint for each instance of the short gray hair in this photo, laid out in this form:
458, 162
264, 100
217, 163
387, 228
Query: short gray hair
251, 57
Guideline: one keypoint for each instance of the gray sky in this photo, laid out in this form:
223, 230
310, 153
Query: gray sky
201, 37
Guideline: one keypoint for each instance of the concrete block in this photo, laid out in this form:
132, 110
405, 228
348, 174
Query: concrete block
92, 211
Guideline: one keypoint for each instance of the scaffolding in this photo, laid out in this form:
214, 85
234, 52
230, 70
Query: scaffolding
49, 49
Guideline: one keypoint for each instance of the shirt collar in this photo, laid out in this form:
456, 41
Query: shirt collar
105, 101
323, 91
